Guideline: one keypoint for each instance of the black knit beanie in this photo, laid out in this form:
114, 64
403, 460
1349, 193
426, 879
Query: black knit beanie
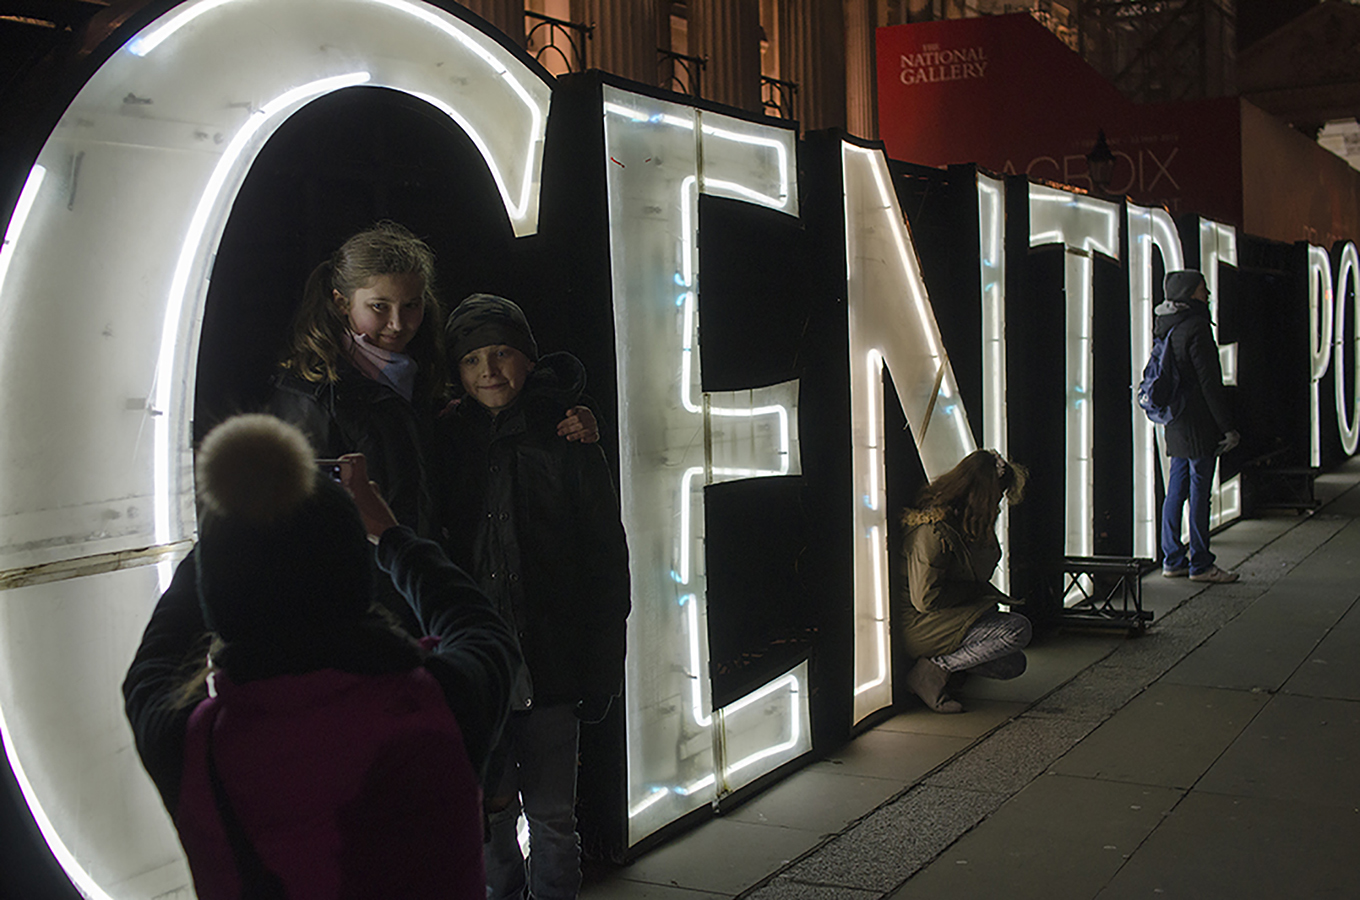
485, 319
1181, 284
282, 554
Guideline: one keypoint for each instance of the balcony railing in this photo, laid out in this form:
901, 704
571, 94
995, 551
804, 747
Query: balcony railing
556, 43
680, 73
777, 97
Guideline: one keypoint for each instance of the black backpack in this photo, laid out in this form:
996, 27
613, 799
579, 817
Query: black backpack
1159, 393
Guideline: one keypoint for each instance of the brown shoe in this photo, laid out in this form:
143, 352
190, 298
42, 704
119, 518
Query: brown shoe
927, 681
1214, 575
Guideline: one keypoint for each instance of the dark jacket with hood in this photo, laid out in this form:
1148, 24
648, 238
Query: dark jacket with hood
535, 519
359, 415
1206, 418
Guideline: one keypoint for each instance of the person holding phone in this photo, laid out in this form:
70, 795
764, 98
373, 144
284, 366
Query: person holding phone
315, 749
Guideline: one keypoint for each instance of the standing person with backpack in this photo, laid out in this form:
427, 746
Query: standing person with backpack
1201, 430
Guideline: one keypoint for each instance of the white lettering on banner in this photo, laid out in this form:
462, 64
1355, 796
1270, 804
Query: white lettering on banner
1146, 170
675, 438
1083, 226
890, 322
932, 65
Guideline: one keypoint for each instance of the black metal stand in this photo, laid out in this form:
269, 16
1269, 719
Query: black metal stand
1111, 588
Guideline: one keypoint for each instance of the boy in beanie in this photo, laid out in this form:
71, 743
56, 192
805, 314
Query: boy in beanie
535, 519
1203, 430
320, 751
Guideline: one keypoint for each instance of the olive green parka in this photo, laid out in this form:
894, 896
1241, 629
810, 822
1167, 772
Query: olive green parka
945, 582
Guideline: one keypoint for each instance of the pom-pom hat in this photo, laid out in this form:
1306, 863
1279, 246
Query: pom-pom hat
282, 554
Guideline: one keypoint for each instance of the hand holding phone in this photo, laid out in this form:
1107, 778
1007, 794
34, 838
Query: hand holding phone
351, 470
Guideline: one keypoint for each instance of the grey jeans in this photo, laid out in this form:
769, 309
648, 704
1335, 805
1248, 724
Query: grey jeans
992, 647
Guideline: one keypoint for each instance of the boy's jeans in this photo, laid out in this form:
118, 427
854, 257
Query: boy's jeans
539, 750
1195, 478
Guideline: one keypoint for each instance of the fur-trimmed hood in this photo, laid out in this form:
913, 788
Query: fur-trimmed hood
913, 518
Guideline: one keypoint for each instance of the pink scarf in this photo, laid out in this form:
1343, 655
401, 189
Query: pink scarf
396, 370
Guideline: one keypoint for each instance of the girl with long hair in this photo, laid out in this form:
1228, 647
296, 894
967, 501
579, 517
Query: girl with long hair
949, 611
365, 372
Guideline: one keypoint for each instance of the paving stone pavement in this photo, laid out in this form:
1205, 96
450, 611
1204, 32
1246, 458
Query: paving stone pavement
1291, 623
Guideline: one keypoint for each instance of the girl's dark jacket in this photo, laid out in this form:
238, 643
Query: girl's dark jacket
359, 415
1206, 418
535, 519
351, 763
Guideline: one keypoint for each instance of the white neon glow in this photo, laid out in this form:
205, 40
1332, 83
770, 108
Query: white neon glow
191, 256
1149, 231
19, 218
892, 323
780, 199
74, 870
1226, 503
876, 539
992, 273
158, 167
662, 158
696, 663
148, 41
1321, 307
792, 682
516, 202
1084, 227
1218, 245
1347, 302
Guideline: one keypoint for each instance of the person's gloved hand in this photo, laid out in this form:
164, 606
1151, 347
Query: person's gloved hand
592, 708
1230, 440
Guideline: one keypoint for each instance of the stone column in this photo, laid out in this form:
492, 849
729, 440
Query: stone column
727, 34
812, 55
507, 15
624, 42
861, 75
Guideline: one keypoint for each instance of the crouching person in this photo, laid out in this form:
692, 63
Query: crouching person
950, 618
536, 520
320, 752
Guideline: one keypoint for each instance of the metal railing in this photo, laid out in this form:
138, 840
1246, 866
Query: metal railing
777, 97
680, 73
557, 41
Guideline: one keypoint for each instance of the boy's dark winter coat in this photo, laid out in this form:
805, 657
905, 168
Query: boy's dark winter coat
535, 519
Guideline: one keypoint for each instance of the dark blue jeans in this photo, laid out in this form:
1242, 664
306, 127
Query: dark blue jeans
1192, 479
539, 776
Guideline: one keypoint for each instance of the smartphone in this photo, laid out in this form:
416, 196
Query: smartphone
332, 468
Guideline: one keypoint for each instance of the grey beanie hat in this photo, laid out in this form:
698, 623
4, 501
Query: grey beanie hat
484, 319
1182, 283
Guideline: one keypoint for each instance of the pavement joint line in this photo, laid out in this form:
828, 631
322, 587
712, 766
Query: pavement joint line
1214, 620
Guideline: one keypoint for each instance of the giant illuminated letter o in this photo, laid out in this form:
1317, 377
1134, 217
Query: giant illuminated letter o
103, 276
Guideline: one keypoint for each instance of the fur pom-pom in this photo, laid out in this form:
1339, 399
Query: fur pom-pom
256, 467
